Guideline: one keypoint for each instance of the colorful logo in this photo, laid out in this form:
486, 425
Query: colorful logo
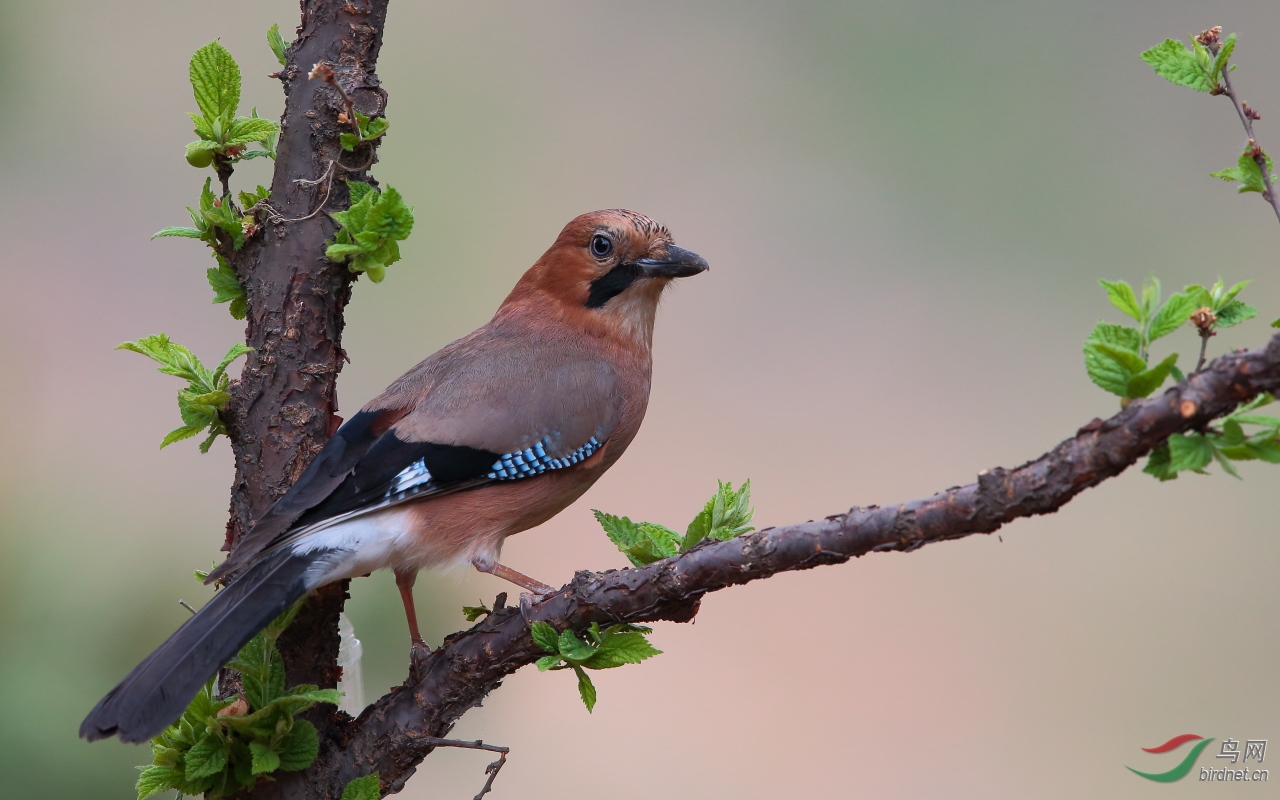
1179, 772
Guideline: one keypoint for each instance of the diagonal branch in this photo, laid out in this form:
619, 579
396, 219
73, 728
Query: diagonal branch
391, 736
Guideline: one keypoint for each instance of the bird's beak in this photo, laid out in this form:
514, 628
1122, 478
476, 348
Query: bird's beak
679, 263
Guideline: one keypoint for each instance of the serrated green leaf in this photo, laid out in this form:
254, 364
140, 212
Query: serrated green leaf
1189, 452
545, 636
621, 648
366, 788
235, 352
1144, 383
1224, 52
573, 648
299, 747
1235, 312
359, 189
1105, 370
375, 128
338, 253
586, 688
1176, 64
1158, 464
1199, 295
1230, 294
1224, 462
641, 542
265, 760
1175, 312
215, 79
548, 662
1122, 297
173, 230
207, 758
348, 141
226, 286
202, 127
1246, 172
178, 434
202, 146
473, 613
277, 44
155, 779
245, 130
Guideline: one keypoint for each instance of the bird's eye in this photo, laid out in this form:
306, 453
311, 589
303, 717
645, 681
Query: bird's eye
601, 246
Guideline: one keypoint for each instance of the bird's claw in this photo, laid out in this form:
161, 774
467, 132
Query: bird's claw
529, 599
418, 654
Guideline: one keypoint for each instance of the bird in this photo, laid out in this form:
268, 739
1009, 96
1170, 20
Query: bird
494, 434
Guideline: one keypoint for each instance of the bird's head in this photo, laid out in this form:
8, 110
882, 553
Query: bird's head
609, 267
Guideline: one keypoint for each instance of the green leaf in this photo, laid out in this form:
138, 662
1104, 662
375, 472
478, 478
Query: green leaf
1189, 452
573, 648
1235, 312
621, 648
586, 688
545, 636
226, 288
265, 759
207, 757
1176, 64
299, 747
338, 253
1224, 52
1100, 351
1122, 297
1175, 312
189, 233
247, 129
1150, 296
1246, 172
277, 44
366, 788
1224, 462
473, 613
235, 352
1177, 374
548, 662
215, 79
642, 543
1144, 383
1199, 295
359, 189
155, 779
348, 141
1158, 464
202, 146
1229, 295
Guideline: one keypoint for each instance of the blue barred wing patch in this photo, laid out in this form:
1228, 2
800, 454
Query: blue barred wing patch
535, 461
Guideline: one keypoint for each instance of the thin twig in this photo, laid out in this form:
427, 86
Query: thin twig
1259, 156
1204, 343
478, 744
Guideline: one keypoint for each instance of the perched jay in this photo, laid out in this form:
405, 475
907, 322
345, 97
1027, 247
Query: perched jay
494, 434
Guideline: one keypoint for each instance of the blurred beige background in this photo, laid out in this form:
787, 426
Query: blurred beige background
906, 207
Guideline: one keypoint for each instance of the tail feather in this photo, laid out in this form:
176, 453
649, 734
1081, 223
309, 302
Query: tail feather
158, 690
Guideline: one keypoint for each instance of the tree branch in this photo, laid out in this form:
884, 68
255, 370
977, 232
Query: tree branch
391, 735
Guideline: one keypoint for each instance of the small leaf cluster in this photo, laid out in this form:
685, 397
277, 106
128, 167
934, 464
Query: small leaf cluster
602, 649
726, 515
217, 222
1115, 356
1195, 67
367, 240
215, 79
222, 746
369, 129
1227, 442
1247, 172
1225, 311
206, 393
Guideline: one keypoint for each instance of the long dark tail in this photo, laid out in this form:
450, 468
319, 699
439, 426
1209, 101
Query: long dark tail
158, 690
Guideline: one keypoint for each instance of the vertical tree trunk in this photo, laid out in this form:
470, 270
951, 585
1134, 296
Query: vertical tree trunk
283, 409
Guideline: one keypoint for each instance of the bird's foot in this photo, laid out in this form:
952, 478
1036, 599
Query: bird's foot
529, 599
418, 654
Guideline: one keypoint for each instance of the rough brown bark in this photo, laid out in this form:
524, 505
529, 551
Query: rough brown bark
283, 407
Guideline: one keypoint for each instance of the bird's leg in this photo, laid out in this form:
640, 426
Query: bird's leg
404, 581
534, 590
486, 564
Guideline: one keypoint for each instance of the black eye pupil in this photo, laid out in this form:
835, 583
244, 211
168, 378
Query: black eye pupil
601, 246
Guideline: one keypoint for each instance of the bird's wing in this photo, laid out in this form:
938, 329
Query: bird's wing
481, 414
